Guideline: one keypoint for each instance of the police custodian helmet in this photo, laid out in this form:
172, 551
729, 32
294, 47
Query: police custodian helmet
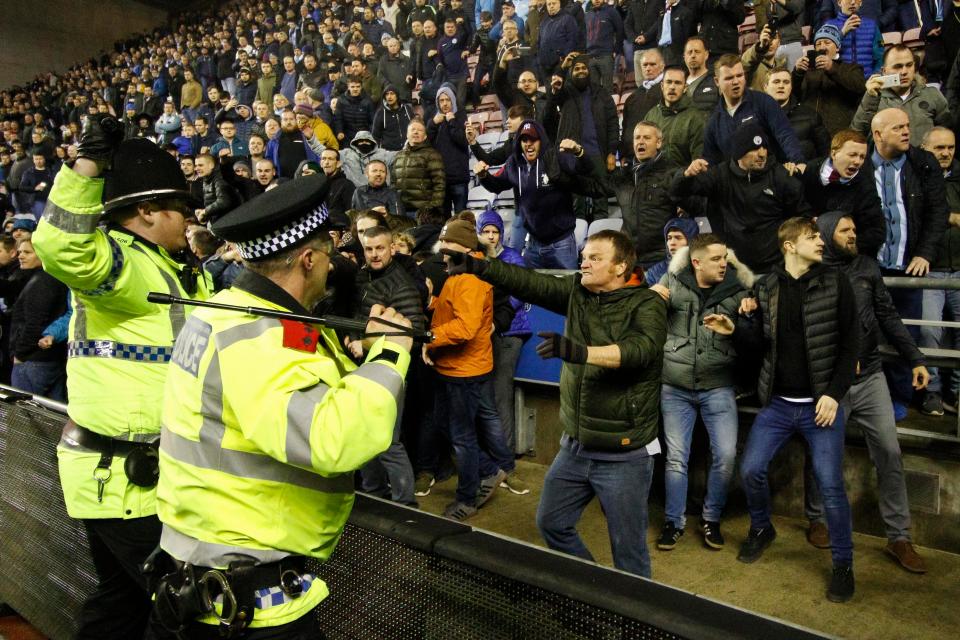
278, 219
143, 171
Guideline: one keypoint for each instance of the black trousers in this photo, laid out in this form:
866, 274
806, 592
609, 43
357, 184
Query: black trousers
121, 605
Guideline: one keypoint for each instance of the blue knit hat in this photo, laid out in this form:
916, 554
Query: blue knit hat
829, 32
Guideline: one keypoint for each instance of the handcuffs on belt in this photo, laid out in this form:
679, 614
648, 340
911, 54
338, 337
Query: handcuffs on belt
182, 596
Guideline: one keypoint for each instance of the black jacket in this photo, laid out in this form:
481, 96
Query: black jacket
450, 139
390, 125
43, 300
340, 195
807, 124
924, 195
218, 196
354, 113
746, 209
828, 327
948, 254
644, 196
510, 95
565, 120
390, 287
858, 198
720, 25
875, 309
635, 110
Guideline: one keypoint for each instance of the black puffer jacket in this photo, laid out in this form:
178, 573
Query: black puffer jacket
830, 331
878, 317
353, 114
218, 196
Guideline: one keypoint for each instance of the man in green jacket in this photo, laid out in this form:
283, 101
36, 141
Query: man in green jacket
680, 122
609, 392
704, 283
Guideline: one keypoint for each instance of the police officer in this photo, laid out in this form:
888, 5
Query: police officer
264, 423
111, 255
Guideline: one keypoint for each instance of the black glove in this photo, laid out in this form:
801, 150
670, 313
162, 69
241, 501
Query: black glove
100, 138
464, 263
557, 346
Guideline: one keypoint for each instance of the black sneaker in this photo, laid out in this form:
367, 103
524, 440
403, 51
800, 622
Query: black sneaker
711, 534
757, 540
669, 536
932, 404
841, 583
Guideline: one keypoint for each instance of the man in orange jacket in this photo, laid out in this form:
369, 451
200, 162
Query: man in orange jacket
462, 355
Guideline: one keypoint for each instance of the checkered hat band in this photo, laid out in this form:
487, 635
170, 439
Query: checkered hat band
284, 237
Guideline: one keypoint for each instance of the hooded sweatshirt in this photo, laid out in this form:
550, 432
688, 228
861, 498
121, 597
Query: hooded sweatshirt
390, 125
355, 159
689, 228
450, 139
542, 188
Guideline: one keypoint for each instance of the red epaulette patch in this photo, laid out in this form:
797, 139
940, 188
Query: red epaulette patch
300, 336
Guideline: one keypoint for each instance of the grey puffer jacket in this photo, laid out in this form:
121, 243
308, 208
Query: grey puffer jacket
694, 357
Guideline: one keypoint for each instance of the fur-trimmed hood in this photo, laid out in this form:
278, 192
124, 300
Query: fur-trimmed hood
681, 260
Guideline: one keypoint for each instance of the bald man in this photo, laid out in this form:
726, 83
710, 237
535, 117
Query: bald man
910, 184
526, 92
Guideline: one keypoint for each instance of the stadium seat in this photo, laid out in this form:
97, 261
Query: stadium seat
891, 38
614, 224
748, 25
807, 33
580, 233
912, 38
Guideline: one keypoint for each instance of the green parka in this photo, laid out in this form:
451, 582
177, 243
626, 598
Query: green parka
694, 357
604, 409
419, 176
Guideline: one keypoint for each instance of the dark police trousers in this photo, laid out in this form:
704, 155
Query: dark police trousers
121, 605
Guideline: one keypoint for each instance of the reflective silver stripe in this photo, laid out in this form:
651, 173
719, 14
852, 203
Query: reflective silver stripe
245, 464
69, 221
177, 314
211, 405
246, 331
212, 429
382, 375
79, 319
300, 412
210, 554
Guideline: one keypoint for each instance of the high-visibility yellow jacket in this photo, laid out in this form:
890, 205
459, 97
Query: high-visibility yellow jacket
264, 422
119, 344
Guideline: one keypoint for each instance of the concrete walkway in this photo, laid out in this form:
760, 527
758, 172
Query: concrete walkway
789, 582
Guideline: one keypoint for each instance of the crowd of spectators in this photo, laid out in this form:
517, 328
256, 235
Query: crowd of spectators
666, 120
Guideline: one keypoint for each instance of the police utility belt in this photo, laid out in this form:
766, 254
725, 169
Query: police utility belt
185, 592
141, 459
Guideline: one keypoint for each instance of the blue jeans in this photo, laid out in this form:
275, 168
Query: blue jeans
465, 408
935, 302
48, 379
561, 254
517, 234
770, 431
718, 407
623, 488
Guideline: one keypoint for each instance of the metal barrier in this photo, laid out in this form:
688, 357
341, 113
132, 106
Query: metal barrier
397, 574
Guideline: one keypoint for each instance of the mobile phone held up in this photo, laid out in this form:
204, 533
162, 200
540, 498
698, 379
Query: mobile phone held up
891, 81
812, 58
